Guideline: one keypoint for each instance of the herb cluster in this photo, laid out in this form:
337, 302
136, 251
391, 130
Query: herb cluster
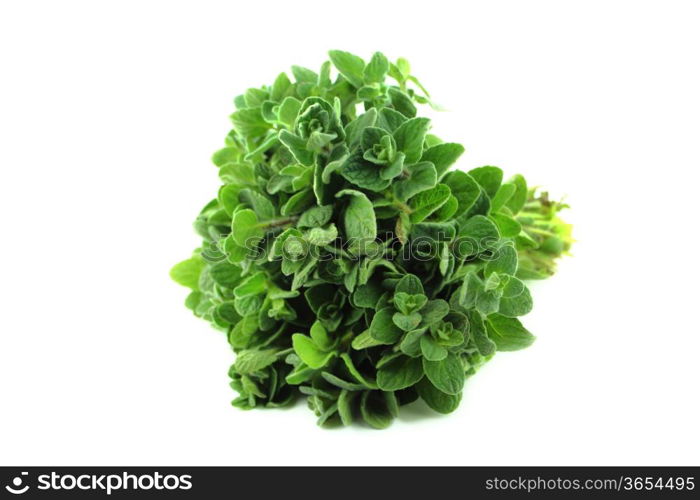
346, 262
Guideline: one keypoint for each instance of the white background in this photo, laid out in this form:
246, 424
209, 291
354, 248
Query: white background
109, 112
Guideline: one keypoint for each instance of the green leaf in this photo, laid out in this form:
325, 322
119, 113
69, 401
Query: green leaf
516, 299
402, 103
375, 409
297, 146
298, 202
464, 188
320, 336
252, 285
347, 360
288, 111
383, 329
304, 75
410, 345
245, 228
280, 88
447, 211
446, 375
508, 333
431, 350
367, 295
406, 322
399, 373
187, 272
320, 236
484, 344
315, 217
239, 174
363, 174
253, 360
410, 137
427, 202
390, 119
434, 311
309, 352
249, 122
504, 261
345, 412
421, 176
349, 65
261, 205
359, 221
517, 201
481, 231
443, 156
436, 399
376, 69
409, 303
488, 178
364, 341
505, 191
409, 284
342, 384
355, 128
507, 226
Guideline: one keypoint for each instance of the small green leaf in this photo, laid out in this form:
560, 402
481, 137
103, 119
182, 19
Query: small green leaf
252, 285
309, 352
406, 322
320, 236
253, 360
421, 177
354, 129
315, 217
297, 146
436, 399
187, 272
484, 344
399, 373
402, 103
427, 202
363, 174
410, 137
488, 178
431, 350
376, 69
443, 156
508, 333
447, 375
434, 311
409, 284
349, 65
464, 188
517, 201
505, 191
410, 345
383, 328
245, 228
390, 119
359, 221
504, 261
320, 336
516, 299
375, 409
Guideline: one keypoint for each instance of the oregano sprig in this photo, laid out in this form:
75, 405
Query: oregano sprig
347, 263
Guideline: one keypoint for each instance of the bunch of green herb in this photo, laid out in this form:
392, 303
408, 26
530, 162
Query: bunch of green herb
346, 262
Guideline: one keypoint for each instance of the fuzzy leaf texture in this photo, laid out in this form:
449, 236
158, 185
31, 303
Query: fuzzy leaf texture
348, 262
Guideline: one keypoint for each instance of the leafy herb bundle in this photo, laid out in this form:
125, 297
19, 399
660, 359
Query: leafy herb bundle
345, 260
